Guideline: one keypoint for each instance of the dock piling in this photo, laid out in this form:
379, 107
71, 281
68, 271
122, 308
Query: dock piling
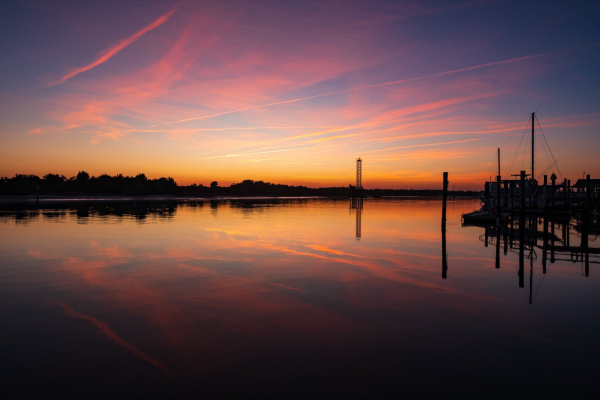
444, 255
445, 197
585, 215
545, 193
522, 193
498, 200
568, 203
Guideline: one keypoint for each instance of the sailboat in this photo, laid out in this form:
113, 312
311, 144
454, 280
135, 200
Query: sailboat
522, 191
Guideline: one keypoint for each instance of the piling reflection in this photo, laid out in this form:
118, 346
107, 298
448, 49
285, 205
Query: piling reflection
522, 235
444, 254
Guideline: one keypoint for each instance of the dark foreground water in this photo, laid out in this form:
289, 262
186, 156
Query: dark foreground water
295, 298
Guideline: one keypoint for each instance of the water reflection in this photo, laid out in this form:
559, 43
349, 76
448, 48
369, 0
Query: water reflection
280, 296
521, 234
59, 211
444, 252
356, 204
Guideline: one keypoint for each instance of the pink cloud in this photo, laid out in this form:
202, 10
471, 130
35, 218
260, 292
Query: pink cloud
117, 47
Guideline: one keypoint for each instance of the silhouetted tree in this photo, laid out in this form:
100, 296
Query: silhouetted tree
54, 183
140, 184
82, 177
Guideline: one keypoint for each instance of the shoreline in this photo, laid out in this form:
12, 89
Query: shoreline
47, 199
29, 199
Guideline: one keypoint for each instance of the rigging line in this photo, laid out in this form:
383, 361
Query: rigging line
550, 164
544, 136
538, 288
523, 134
518, 148
545, 152
546, 170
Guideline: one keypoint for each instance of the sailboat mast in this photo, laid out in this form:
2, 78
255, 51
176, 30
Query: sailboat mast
532, 145
498, 161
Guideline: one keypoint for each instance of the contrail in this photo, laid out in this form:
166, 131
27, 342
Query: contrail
420, 145
117, 47
396, 82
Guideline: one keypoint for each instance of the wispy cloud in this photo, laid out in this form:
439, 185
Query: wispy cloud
117, 47
420, 145
255, 153
376, 85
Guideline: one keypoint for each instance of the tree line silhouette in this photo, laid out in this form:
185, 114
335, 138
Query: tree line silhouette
139, 185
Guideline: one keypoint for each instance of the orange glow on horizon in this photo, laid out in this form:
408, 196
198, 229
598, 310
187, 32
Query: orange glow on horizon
225, 92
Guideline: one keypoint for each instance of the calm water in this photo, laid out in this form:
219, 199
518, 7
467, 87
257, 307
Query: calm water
297, 298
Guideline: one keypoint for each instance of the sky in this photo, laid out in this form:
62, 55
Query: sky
293, 92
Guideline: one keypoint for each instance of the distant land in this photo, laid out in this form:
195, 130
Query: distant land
140, 185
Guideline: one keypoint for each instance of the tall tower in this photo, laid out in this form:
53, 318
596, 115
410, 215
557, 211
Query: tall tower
358, 173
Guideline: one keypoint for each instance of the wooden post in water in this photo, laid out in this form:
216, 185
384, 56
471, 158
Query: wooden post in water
545, 248
522, 193
522, 230
498, 199
552, 242
545, 193
506, 198
568, 194
585, 227
532, 146
587, 194
553, 179
444, 198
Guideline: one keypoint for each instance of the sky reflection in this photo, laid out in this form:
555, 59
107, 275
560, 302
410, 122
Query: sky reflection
284, 289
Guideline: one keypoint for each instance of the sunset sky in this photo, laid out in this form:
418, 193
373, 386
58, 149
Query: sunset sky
294, 91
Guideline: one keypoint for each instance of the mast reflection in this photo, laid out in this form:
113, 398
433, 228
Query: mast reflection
521, 235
